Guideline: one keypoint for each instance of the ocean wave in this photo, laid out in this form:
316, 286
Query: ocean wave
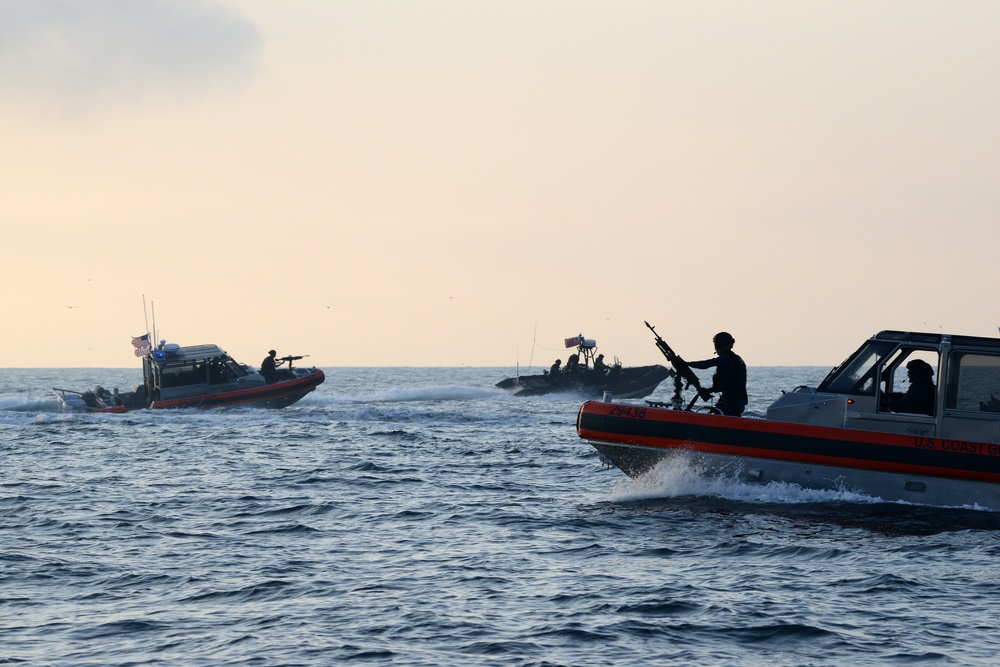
414, 394
443, 522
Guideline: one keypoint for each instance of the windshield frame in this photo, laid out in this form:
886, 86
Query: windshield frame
857, 374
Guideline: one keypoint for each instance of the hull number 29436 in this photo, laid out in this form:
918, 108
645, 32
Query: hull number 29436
627, 411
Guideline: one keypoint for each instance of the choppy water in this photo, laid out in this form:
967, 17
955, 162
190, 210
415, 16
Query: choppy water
421, 517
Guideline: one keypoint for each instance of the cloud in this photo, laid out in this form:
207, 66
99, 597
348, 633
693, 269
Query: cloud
74, 57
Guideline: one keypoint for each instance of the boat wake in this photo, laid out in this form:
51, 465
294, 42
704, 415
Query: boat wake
683, 475
22, 405
439, 393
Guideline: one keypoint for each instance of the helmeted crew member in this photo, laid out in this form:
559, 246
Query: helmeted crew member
730, 377
269, 367
600, 368
555, 373
572, 366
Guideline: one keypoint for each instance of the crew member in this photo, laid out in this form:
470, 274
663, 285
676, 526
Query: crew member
600, 368
269, 367
919, 397
730, 377
572, 366
555, 373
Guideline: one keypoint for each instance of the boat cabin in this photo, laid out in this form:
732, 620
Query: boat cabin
863, 392
171, 371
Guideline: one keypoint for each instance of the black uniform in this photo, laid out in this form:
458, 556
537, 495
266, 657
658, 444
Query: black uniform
919, 398
730, 380
269, 369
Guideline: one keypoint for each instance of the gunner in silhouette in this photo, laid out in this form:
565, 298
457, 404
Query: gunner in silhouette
600, 368
269, 367
555, 373
730, 377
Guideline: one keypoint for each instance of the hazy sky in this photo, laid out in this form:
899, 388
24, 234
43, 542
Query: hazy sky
469, 183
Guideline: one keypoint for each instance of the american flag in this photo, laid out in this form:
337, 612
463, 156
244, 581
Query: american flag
142, 346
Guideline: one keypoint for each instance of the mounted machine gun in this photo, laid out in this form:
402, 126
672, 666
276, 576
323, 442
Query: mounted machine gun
290, 359
684, 377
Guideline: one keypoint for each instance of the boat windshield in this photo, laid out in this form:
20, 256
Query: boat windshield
857, 374
236, 370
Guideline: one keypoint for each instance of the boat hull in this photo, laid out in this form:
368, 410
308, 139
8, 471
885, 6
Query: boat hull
274, 396
634, 382
890, 466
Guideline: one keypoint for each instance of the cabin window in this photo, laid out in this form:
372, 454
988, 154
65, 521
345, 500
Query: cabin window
223, 370
894, 373
857, 374
973, 382
894, 378
235, 369
182, 375
217, 372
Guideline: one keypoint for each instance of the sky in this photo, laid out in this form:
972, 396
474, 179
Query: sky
453, 183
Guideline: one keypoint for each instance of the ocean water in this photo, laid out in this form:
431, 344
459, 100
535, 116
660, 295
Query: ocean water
412, 516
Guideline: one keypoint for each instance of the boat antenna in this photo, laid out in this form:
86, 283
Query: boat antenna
152, 309
531, 357
145, 315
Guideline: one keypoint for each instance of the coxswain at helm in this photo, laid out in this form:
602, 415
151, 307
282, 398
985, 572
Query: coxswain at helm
919, 398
